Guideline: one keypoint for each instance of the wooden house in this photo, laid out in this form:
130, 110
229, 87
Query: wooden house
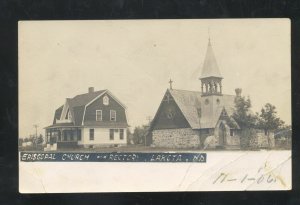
96, 118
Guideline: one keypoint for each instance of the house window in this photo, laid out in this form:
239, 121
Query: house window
79, 135
92, 134
71, 136
231, 132
68, 135
98, 115
113, 115
121, 134
111, 134
105, 100
59, 136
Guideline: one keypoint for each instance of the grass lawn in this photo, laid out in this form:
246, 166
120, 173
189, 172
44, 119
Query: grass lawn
133, 148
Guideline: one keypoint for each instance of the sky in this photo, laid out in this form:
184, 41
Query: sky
135, 59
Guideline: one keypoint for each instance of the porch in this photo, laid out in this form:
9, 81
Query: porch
63, 137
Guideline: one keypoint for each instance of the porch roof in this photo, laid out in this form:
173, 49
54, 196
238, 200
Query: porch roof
61, 125
89, 125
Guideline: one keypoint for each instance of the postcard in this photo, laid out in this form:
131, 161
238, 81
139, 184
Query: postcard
154, 105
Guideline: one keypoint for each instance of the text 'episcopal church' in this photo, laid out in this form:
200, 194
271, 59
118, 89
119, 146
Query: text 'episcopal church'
194, 119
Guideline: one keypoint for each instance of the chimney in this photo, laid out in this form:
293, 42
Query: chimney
238, 92
91, 89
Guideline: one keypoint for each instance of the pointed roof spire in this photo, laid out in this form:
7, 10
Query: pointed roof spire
210, 66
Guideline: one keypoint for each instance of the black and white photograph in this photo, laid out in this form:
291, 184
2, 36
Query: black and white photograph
154, 105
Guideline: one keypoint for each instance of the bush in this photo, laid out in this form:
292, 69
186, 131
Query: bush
248, 138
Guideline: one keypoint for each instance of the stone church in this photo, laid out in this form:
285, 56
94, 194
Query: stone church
194, 119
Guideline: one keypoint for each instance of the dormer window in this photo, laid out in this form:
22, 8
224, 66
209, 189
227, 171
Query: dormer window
113, 115
68, 115
98, 115
105, 100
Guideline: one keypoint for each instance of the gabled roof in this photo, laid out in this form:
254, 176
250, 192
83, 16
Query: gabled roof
77, 113
199, 115
57, 114
83, 99
188, 102
78, 104
210, 67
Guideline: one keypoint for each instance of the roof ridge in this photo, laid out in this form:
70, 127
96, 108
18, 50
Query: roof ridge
88, 93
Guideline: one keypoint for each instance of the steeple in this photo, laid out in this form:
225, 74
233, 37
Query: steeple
210, 66
211, 79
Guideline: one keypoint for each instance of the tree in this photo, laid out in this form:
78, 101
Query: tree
32, 139
268, 119
129, 136
242, 114
283, 136
40, 139
21, 140
246, 120
139, 134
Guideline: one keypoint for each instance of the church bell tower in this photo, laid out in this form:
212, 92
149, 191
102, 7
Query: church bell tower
211, 79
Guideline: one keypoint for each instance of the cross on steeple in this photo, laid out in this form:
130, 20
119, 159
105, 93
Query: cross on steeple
170, 82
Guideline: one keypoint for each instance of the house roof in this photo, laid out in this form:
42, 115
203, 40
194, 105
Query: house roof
60, 125
210, 67
197, 113
77, 106
83, 99
77, 113
57, 113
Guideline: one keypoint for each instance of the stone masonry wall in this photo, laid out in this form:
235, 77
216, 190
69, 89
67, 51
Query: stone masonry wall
256, 139
176, 138
263, 141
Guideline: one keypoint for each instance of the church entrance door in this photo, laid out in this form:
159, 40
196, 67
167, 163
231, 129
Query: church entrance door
222, 135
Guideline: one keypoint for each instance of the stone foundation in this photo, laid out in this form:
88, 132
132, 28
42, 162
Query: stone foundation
233, 140
176, 138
